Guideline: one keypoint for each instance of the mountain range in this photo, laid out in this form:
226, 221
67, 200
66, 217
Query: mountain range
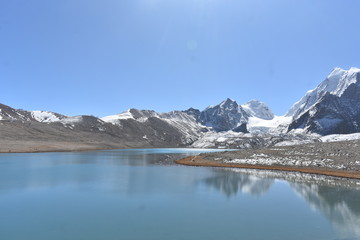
331, 108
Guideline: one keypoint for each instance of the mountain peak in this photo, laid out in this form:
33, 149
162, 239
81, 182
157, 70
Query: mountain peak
228, 101
254, 102
338, 74
225, 116
258, 109
335, 83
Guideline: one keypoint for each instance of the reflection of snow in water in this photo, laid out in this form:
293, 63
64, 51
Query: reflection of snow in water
341, 208
230, 183
336, 198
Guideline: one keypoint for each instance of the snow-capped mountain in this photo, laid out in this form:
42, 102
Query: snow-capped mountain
221, 125
332, 107
253, 116
228, 115
263, 120
150, 128
335, 84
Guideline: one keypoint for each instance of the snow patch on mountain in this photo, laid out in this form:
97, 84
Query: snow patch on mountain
258, 109
114, 119
318, 138
220, 139
340, 137
44, 116
71, 120
294, 142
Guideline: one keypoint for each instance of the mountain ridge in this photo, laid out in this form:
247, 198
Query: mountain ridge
330, 108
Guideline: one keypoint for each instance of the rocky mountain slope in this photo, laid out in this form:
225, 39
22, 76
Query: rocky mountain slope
227, 115
332, 107
50, 131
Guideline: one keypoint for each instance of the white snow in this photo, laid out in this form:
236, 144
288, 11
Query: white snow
258, 125
227, 101
273, 123
293, 142
213, 139
262, 159
71, 120
44, 116
221, 139
340, 137
185, 123
258, 109
114, 119
316, 137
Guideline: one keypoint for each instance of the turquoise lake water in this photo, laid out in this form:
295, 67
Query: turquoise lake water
136, 194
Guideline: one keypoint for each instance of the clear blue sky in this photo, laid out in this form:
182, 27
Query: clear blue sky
102, 57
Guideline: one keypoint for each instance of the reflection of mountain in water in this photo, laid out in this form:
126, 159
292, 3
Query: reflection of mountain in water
340, 205
337, 199
230, 183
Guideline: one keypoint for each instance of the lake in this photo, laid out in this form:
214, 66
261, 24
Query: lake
139, 194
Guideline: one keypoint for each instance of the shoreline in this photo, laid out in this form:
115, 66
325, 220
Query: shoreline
200, 161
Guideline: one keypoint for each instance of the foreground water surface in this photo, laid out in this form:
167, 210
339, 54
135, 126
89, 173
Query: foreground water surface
137, 194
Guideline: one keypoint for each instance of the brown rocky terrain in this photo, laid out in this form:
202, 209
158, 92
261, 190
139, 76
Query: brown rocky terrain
30, 136
340, 159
